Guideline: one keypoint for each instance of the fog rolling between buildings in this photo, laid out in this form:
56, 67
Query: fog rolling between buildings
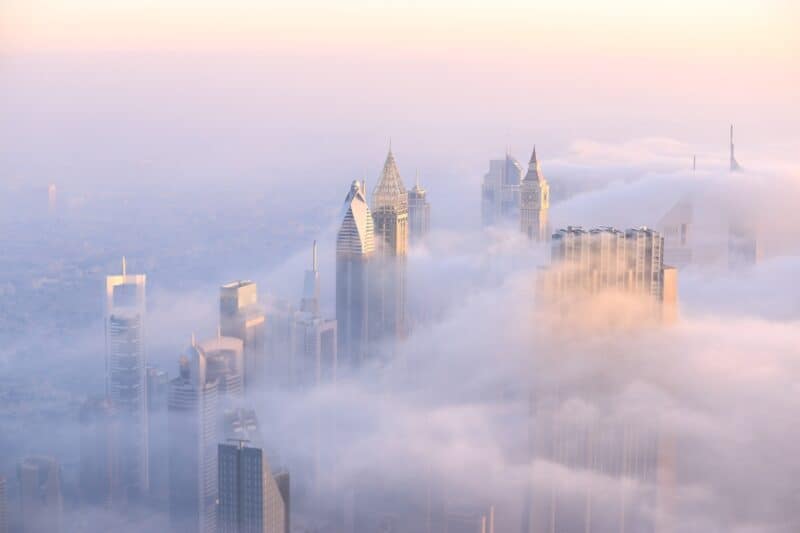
627, 361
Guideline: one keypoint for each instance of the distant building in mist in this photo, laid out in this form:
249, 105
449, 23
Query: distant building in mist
52, 198
500, 192
193, 437
734, 164
314, 346
40, 495
240, 316
355, 248
534, 202
224, 358
3, 505
126, 384
158, 434
281, 326
250, 499
676, 227
99, 479
387, 308
310, 301
743, 251
419, 214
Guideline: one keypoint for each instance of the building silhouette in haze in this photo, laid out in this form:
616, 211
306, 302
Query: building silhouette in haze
534, 202
419, 214
126, 381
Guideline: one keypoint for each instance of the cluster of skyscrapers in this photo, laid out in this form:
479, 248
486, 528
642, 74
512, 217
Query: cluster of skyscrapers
192, 445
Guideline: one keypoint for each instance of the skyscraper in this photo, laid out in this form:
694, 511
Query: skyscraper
126, 384
355, 246
315, 354
419, 214
608, 259
250, 499
193, 437
387, 310
158, 433
534, 202
310, 300
500, 191
40, 495
240, 316
3, 506
225, 364
99, 449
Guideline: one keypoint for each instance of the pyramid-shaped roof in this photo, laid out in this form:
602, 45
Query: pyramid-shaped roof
390, 192
356, 234
534, 169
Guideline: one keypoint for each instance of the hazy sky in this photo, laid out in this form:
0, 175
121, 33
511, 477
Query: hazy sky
192, 91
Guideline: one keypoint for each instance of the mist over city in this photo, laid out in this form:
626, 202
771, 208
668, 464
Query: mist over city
399, 267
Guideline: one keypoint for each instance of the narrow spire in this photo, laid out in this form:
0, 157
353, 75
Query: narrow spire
533, 155
124, 266
390, 144
416, 179
694, 163
314, 256
194, 340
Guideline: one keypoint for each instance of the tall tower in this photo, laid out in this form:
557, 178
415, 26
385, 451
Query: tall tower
355, 247
534, 202
40, 495
250, 499
126, 381
241, 317
310, 301
734, 164
419, 214
390, 213
193, 436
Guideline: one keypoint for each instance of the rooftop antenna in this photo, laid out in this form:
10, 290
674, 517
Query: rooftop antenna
194, 340
694, 163
124, 266
416, 179
734, 164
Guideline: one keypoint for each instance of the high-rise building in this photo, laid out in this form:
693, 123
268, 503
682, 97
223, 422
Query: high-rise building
241, 316
126, 384
676, 226
281, 324
608, 259
250, 499
355, 247
500, 192
193, 437
310, 301
3, 506
315, 356
158, 433
315, 352
225, 364
387, 308
40, 495
419, 214
99, 449
534, 202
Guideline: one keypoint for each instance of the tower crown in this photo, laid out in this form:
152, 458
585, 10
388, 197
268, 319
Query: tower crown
356, 234
390, 191
534, 169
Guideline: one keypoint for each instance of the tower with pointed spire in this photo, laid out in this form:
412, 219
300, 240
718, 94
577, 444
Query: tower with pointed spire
734, 164
534, 202
390, 215
310, 301
355, 248
419, 213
